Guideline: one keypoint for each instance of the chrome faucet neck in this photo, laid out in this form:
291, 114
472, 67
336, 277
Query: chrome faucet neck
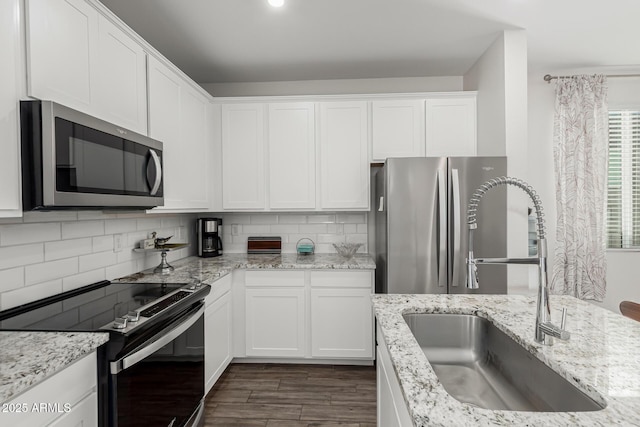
544, 329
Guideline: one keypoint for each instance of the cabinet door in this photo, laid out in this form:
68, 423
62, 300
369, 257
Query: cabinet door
217, 338
397, 129
451, 126
61, 35
84, 413
344, 165
121, 81
243, 156
292, 156
164, 125
194, 150
275, 322
10, 82
341, 323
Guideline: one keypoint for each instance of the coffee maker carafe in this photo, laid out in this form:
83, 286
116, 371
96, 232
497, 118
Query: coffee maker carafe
209, 232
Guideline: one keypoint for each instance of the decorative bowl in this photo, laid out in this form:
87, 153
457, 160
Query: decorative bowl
347, 250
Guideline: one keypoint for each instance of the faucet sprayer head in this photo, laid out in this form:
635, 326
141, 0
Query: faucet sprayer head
472, 273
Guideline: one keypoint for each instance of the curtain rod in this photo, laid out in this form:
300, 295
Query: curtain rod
547, 78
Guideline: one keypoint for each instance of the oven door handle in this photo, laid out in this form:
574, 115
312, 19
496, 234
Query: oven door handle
133, 358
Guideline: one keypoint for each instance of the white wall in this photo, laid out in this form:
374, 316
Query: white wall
622, 282
500, 77
46, 253
338, 86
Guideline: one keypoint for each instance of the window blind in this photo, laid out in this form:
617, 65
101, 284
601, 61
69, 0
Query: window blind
623, 184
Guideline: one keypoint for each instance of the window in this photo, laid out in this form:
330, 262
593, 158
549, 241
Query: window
623, 185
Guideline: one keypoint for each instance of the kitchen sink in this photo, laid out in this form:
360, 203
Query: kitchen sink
480, 365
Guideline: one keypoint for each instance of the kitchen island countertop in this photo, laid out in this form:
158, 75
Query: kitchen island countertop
602, 358
26, 358
208, 270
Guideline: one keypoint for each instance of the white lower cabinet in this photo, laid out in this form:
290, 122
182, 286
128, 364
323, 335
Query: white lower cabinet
69, 398
275, 322
218, 331
307, 314
392, 410
341, 315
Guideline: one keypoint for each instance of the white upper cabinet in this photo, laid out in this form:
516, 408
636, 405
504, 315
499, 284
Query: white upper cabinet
10, 82
62, 38
243, 175
451, 126
121, 82
397, 129
77, 57
344, 164
292, 156
178, 117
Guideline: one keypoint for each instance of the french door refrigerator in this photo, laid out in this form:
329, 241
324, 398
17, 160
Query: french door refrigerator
421, 226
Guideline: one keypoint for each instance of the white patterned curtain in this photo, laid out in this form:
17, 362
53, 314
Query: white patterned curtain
580, 147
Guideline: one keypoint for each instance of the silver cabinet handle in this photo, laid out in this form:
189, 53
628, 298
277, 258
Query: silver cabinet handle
455, 181
133, 358
442, 229
158, 172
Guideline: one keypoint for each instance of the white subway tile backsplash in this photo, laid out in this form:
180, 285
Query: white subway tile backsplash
313, 228
256, 229
352, 218
66, 248
350, 228
13, 256
50, 270
362, 228
292, 219
102, 243
321, 219
46, 253
97, 260
113, 226
21, 234
152, 223
12, 278
284, 229
82, 279
31, 293
264, 219
73, 230
331, 238
54, 216
236, 219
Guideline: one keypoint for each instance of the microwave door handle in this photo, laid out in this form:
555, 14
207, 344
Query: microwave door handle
156, 177
133, 358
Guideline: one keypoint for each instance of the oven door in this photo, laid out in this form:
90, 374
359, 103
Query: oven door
161, 382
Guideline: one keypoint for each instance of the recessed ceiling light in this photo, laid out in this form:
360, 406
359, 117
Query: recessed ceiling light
276, 3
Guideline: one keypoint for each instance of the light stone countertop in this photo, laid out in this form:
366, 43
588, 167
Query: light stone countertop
26, 358
602, 358
208, 270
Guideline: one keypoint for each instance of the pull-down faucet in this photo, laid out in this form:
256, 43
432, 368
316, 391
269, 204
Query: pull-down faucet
545, 330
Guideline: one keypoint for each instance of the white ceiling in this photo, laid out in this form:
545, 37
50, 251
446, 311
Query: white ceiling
216, 41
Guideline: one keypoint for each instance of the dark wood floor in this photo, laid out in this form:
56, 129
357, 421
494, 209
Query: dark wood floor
283, 395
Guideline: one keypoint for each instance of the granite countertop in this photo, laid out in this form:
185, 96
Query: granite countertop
30, 357
602, 358
207, 270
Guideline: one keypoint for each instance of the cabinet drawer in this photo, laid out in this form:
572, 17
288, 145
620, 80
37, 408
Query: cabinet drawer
218, 288
274, 278
351, 279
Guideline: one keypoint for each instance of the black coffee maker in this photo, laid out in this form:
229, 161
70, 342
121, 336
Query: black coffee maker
209, 232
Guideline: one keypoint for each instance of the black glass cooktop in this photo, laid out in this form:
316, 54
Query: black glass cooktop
84, 309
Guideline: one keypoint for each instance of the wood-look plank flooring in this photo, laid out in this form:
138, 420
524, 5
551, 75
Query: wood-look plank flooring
284, 395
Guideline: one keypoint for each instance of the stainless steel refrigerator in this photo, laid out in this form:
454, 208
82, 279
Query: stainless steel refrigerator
421, 228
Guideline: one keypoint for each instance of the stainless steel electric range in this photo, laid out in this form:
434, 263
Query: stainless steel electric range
151, 371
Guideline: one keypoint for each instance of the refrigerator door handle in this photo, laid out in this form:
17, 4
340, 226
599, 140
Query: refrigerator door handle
455, 181
442, 229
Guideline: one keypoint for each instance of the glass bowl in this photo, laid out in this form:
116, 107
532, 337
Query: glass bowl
347, 250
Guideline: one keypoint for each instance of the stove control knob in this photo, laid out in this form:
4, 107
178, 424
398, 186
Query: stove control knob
120, 323
133, 316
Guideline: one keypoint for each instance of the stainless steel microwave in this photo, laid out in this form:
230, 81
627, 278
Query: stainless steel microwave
71, 160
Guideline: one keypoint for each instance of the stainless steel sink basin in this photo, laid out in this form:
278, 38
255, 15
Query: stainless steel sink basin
480, 365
